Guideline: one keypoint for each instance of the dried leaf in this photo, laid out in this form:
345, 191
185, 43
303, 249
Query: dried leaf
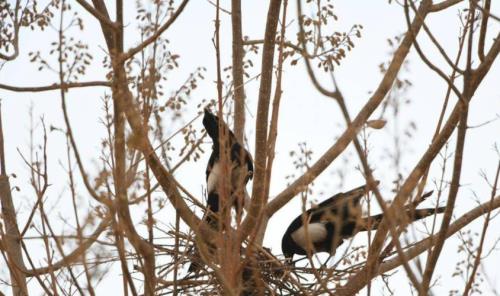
376, 123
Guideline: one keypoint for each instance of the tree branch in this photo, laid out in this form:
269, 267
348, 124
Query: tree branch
457, 170
239, 90
11, 239
76, 254
131, 52
477, 260
102, 18
484, 26
54, 86
420, 247
333, 152
258, 191
422, 166
443, 5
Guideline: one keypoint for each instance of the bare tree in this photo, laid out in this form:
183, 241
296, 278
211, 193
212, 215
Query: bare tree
129, 213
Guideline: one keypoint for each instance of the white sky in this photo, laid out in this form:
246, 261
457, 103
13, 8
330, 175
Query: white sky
305, 115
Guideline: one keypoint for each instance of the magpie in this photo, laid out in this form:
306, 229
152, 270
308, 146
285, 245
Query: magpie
241, 167
332, 221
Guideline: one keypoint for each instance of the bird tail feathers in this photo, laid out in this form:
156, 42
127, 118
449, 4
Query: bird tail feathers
372, 222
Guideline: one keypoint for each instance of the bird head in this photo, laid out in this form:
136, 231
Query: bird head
211, 124
289, 259
286, 249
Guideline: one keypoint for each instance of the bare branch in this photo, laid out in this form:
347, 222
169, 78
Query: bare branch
331, 154
11, 239
443, 5
258, 191
457, 170
131, 52
239, 90
487, 219
423, 245
54, 86
75, 255
484, 26
98, 15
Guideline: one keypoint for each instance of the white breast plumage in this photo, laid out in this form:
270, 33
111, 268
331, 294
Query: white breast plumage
213, 177
315, 232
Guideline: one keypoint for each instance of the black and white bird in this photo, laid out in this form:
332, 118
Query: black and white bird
325, 227
241, 167
241, 171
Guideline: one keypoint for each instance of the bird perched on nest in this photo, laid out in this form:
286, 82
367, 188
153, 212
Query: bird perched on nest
240, 172
325, 227
240, 166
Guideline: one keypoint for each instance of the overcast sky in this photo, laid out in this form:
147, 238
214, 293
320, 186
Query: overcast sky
306, 115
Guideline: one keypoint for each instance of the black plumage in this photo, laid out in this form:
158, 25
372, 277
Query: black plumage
332, 221
241, 171
241, 167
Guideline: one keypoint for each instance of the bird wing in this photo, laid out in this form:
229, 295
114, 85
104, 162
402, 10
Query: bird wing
242, 158
339, 200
